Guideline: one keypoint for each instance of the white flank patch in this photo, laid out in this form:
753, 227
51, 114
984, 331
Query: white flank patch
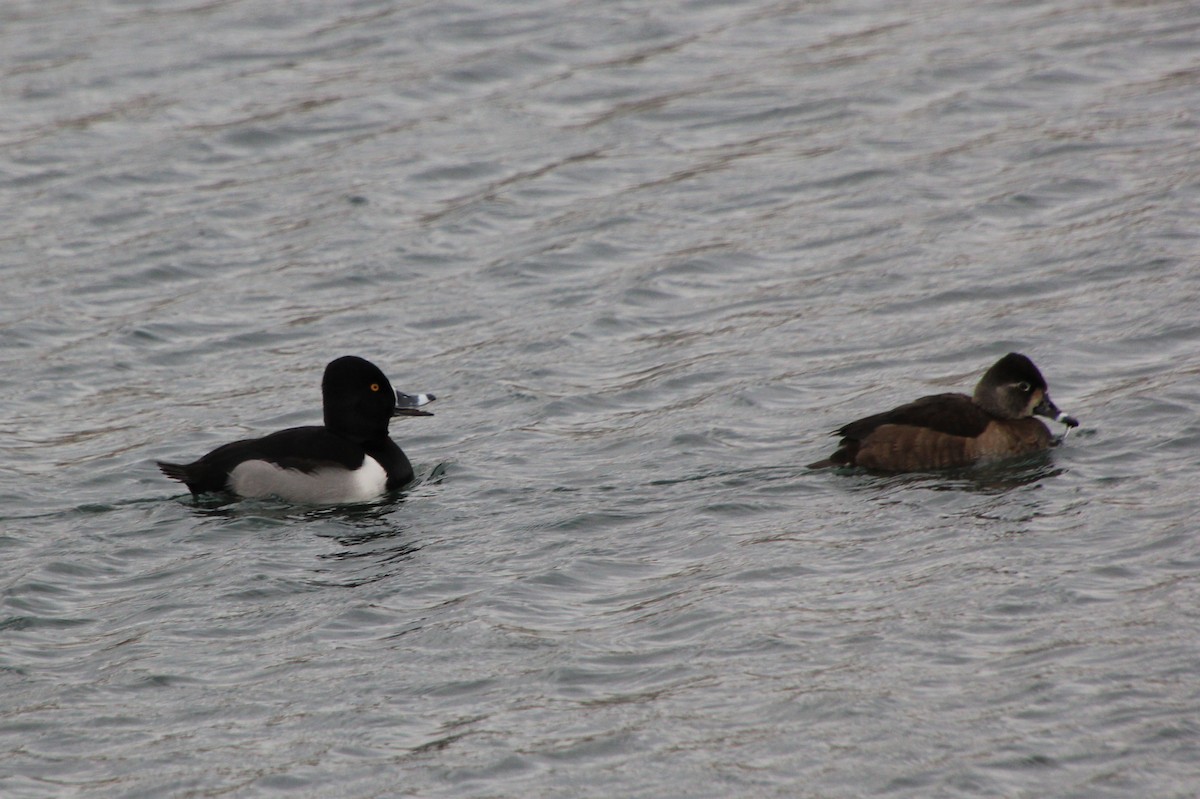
260, 479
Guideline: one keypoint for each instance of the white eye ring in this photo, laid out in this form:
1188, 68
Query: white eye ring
1025, 387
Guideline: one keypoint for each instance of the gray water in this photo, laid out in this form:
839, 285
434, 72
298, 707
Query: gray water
648, 255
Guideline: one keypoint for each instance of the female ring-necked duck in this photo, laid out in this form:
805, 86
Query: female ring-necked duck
947, 430
349, 459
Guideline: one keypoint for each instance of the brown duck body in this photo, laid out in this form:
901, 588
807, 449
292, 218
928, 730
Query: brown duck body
936, 432
948, 430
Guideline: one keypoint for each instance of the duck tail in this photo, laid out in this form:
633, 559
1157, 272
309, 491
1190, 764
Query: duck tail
176, 471
845, 455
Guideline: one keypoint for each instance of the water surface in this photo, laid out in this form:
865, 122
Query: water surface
648, 256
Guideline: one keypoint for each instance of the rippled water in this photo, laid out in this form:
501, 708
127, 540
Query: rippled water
647, 255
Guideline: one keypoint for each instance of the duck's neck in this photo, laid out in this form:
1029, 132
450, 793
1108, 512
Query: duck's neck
986, 399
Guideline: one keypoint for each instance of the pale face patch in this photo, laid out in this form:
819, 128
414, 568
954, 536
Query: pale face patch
257, 479
1034, 400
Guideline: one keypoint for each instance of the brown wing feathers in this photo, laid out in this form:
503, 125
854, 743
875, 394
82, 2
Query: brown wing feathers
905, 448
931, 432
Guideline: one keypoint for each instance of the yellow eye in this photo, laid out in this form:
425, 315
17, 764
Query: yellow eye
374, 386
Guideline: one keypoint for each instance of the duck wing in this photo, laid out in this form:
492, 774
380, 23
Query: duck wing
951, 414
305, 449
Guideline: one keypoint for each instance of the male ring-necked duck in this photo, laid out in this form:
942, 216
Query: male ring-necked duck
349, 459
947, 430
